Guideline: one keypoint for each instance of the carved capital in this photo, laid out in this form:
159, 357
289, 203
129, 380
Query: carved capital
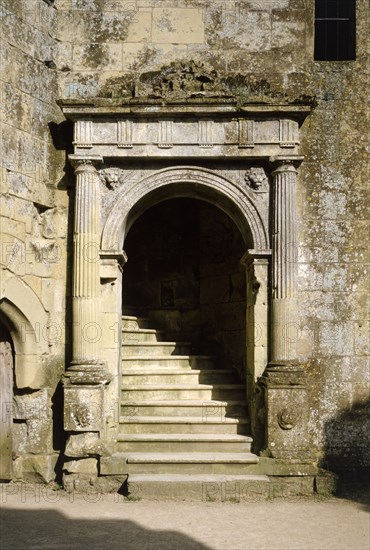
253, 256
283, 164
112, 263
85, 165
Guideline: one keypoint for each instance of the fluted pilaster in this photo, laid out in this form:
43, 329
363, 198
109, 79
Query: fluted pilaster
86, 265
284, 328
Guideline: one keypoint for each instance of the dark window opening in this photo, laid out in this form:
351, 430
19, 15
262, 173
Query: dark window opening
335, 30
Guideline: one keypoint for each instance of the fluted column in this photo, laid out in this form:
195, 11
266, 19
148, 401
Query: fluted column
86, 332
284, 327
286, 433
87, 376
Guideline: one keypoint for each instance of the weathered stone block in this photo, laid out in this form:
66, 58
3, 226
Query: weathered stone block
326, 483
31, 372
140, 28
85, 444
40, 435
82, 466
35, 468
179, 25
19, 437
113, 465
32, 406
92, 487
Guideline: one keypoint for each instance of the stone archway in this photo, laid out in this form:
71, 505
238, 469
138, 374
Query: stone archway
243, 160
187, 181
231, 196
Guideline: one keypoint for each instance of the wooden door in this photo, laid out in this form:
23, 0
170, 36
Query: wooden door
6, 398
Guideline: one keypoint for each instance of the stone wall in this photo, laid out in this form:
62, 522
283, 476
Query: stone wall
253, 49
333, 258
33, 232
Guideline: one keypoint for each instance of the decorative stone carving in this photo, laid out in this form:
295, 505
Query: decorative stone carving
124, 134
204, 179
83, 408
112, 177
285, 397
288, 417
83, 416
246, 133
205, 133
180, 79
256, 178
83, 134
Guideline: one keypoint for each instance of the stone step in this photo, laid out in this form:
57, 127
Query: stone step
180, 443
141, 335
170, 361
207, 392
155, 349
131, 322
209, 410
177, 463
198, 487
177, 376
182, 424
226, 463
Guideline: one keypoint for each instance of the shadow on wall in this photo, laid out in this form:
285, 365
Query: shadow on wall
51, 529
347, 452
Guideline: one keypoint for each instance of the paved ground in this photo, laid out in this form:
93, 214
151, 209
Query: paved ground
39, 519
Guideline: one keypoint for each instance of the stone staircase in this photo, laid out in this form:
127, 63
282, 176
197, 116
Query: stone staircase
183, 423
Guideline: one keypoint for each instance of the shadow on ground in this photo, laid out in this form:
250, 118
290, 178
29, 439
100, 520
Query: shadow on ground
48, 529
347, 452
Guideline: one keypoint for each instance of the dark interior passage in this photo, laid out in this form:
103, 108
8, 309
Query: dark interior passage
184, 273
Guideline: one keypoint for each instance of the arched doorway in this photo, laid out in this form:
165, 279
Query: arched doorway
6, 400
231, 222
184, 274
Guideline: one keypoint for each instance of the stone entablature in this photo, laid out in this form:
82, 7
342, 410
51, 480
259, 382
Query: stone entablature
210, 130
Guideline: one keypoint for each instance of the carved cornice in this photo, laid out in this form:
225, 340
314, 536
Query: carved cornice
87, 109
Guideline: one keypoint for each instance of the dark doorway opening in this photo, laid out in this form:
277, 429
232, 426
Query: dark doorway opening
184, 273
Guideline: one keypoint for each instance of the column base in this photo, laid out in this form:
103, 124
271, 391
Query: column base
286, 429
88, 373
84, 385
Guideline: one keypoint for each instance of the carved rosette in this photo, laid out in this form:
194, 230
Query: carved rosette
288, 417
